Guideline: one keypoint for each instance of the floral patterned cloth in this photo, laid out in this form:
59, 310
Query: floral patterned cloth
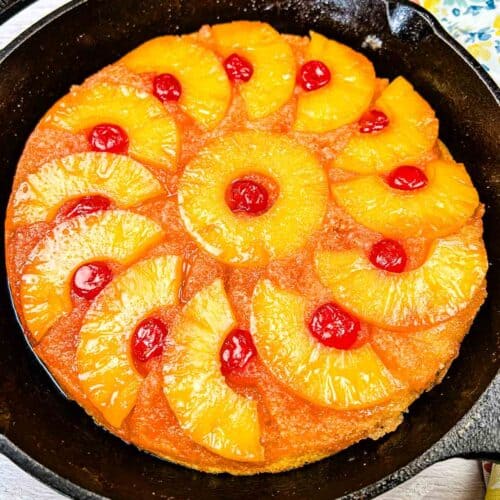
475, 24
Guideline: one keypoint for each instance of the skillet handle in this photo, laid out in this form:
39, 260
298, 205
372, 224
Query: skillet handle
477, 434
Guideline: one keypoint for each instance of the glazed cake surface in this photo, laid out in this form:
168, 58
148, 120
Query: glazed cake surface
243, 251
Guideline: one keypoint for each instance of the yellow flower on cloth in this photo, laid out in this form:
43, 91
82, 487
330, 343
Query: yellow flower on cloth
431, 4
481, 50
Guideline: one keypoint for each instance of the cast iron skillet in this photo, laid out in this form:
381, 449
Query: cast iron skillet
39, 426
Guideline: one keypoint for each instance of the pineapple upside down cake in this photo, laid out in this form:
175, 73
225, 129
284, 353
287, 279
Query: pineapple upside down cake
242, 251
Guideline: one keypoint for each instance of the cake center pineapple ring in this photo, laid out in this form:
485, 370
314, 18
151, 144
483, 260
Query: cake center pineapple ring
243, 251
303, 193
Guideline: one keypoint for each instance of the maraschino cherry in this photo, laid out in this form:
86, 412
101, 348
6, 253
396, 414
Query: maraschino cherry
248, 196
167, 88
84, 206
373, 121
89, 279
388, 255
334, 327
313, 75
236, 351
238, 68
148, 339
108, 138
407, 178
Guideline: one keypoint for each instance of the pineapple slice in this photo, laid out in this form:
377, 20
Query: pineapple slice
438, 209
412, 132
106, 370
45, 284
152, 132
345, 97
437, 290
273, 79
253, 240
422, 357
444, 151
208, 410
341, 379
118, 177
205, 88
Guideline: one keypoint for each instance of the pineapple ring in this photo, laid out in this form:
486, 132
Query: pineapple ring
340, 379
434, 292
284, 228
206, 91
411, 133
45, 284
105, 368
207, 409
273, 79
152, 132
440, 208
119, 177
345, 97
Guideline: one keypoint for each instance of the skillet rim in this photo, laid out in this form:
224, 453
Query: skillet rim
427, 458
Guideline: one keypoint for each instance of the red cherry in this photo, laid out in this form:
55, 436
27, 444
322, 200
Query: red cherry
388, 255
148, 339
373, 121
333, 326
407, 178
313, 75
85, 205
167, 88
238, 68
247, 196
236, 351
108, 138
89, 279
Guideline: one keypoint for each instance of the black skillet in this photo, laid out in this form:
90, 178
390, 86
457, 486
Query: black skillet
53, 439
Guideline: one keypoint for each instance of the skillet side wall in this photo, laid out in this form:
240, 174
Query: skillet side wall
57, 433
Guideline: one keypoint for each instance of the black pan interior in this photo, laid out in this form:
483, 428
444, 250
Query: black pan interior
36, 417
